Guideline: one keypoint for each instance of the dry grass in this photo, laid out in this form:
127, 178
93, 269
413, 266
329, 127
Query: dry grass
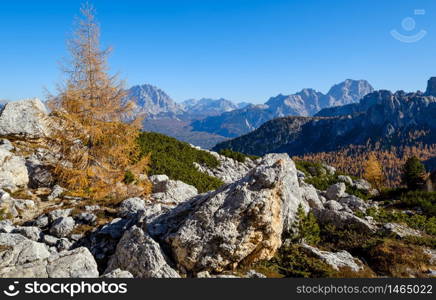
396, 259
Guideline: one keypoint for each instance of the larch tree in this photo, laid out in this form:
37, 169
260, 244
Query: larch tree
373, 171
96, 149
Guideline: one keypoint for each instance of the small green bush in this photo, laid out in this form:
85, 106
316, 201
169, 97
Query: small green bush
426, 201
238, 156
129, 178
176, 159
292, 261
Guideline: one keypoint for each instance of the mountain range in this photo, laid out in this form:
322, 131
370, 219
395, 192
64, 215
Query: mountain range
206, 121
382, 117
156, 104
304, 103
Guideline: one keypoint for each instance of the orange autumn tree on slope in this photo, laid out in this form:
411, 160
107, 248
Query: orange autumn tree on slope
373, 171
96, 149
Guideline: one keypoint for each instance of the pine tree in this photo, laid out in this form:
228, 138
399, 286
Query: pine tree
305, 227
373, 171
413, 174
96, 148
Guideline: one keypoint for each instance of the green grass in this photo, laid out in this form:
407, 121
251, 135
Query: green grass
426, 201
238, 156
176, 159
416, 221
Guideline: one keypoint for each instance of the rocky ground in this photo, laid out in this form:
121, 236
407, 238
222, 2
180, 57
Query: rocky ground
174, 232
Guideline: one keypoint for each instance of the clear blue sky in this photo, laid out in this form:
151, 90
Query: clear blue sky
244, 50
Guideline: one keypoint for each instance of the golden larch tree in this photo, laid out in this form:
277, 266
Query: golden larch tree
373, 171
96, 149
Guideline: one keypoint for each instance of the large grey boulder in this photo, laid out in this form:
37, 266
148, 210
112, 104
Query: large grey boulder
343, 220
139, 254
243, 221
336, 260
16, 249
24, 119
13, 171
77, 263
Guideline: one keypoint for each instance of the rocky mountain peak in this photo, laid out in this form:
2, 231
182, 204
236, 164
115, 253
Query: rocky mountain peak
152, 101
431, 87
347, 92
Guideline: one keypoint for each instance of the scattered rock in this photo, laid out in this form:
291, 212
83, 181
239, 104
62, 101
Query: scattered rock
49, 240
63, 244
30, 232
118, 273
336, 191
13, 170
333, 205
56, 193
330, 170
400, 230
58, 213
131, 206
254, 274
354, 203
41, 222
345, 179
62, 227
173, 192
6, 145
343, 220
139, 254
6, 226
86, 218
310, 195
336, 260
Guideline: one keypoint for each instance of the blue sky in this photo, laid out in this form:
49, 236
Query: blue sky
243, 50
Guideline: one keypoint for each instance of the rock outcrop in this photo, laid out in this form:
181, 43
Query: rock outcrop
13, 170
337, 260
230, 170
22, 257
24, 119
241, 222
139, 254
